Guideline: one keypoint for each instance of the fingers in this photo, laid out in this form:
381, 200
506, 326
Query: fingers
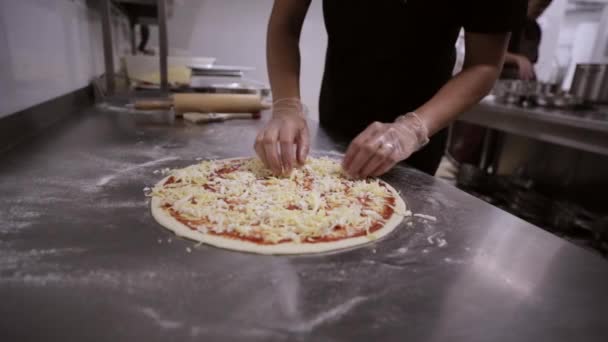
386, 165
382, 169
356, 145
366, 153
271, 150
530, 74
352, 151
282, 144
379, 158
303, 145
288, 156
526, 69
259, 147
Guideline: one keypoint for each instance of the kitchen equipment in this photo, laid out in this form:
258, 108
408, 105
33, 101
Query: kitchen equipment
141, 116
228, 85
533, 93
219, 70
214, 84
206, 103
590, 83
145, 68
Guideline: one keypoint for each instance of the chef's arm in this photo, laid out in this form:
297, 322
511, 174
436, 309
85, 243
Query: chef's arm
511, 58
285, 141
525, 68
380, 146
484, 57
282, 47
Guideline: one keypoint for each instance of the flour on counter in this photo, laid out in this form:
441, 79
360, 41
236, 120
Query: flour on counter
159, 320
121, 204
328, 316
107, 179
438, 239
441, 242
11, 259
16, 216
426, 217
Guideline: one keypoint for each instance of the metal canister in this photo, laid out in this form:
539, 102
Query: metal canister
590, 83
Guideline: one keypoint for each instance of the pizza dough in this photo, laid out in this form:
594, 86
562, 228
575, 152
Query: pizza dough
162, 216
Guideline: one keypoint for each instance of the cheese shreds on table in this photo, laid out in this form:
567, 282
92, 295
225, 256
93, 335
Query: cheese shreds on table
241, 199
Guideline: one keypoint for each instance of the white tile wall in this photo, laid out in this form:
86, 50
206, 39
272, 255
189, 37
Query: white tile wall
48, 49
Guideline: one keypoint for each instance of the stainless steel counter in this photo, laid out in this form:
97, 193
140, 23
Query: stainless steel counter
81, 258
584, 130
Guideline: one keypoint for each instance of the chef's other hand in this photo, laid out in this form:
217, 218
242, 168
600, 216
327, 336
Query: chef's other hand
382, 145
525, 68
284, 142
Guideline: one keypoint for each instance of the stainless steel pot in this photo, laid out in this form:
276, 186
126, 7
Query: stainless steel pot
590, 83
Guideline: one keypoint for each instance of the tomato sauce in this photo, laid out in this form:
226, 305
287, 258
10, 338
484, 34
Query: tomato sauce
227, 169
209, 187
387, 212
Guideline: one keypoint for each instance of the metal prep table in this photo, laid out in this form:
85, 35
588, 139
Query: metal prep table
108, 50
585, 130
81, 258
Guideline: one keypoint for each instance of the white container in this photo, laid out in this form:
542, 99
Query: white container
147, 68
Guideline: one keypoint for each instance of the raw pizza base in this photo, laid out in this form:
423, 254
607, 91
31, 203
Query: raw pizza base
180, 229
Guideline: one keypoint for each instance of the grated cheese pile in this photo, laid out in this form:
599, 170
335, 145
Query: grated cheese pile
241, 198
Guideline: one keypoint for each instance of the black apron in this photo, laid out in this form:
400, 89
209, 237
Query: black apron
384, 59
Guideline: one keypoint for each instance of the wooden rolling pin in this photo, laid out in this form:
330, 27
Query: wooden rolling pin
206, 103
202, 118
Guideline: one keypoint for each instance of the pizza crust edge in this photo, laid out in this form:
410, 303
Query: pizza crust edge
180, 229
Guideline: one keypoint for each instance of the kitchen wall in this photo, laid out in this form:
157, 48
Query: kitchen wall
234, 31
551, 22
49, 48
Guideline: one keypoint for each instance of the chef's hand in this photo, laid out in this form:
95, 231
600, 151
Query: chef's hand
382, 145
525, 68
284, 142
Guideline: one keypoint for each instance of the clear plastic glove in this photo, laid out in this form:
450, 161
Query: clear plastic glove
382, 145
284, 142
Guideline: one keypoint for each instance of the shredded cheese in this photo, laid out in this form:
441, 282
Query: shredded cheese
242, 198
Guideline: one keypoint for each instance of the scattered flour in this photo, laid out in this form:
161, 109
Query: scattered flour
328, 316
16, 216
121, 204
11, 259
103, 278
438, 239
426, 217
108, 178
157, 318
441, 242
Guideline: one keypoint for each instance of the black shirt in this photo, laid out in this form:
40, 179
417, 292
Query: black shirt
525, 41
387, 57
